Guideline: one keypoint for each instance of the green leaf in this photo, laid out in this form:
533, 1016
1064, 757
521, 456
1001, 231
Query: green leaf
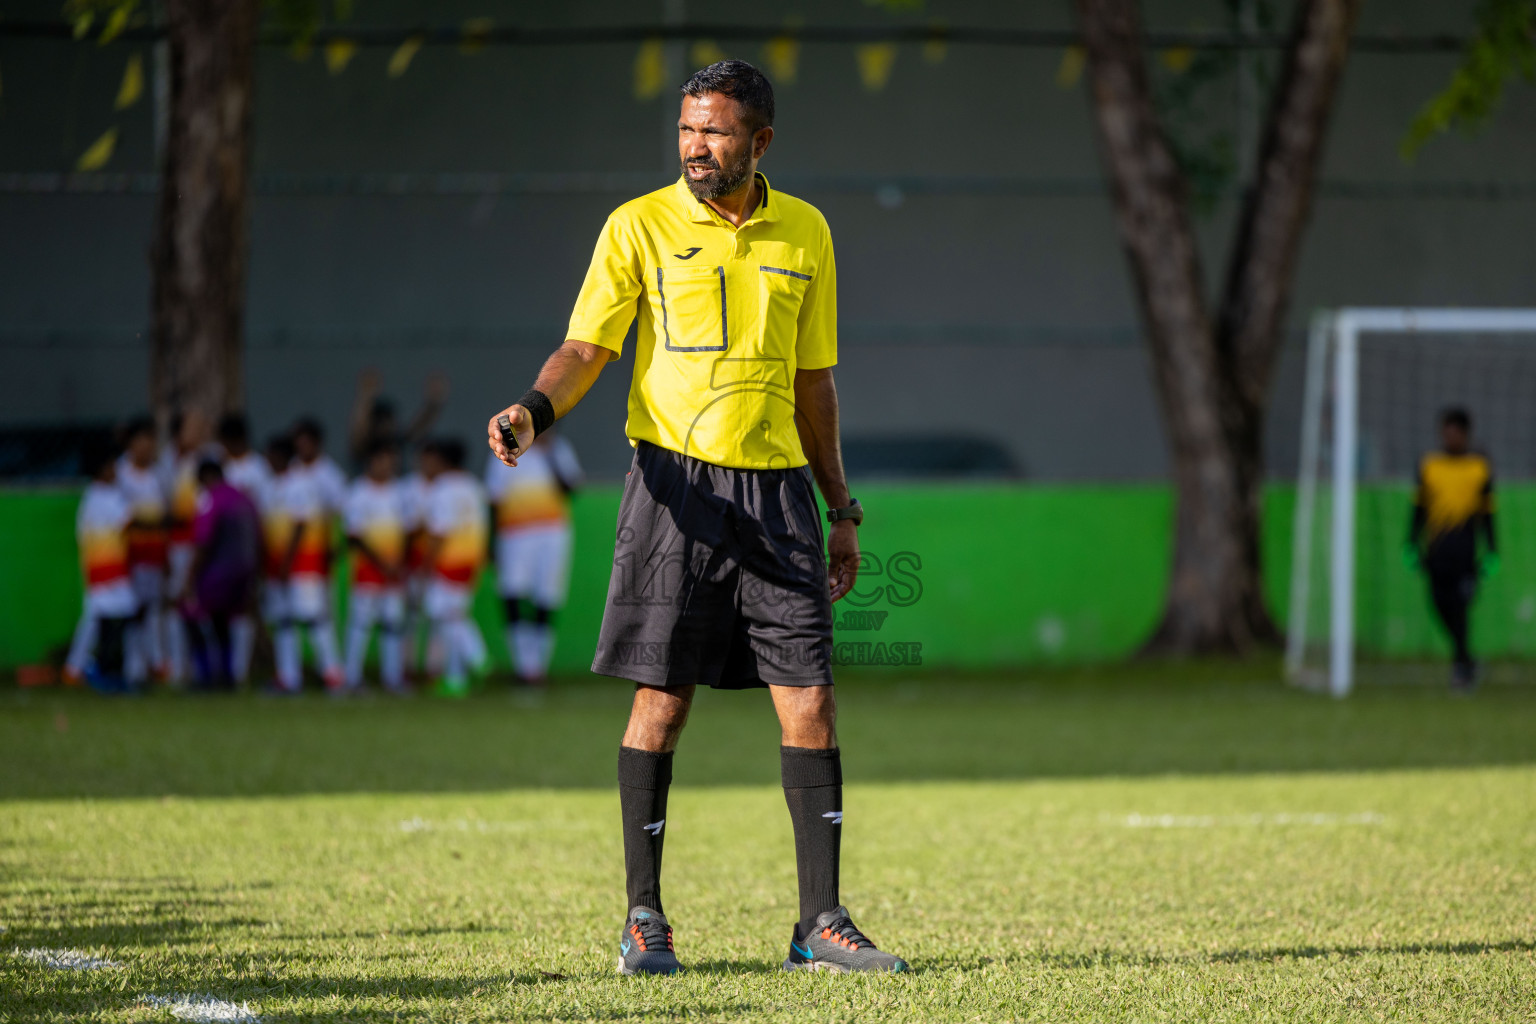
1502, 48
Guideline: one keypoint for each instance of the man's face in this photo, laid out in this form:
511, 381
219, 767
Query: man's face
432, 465
717, 151
381, 465
195, 431
277, 458
1453, 437
306, 446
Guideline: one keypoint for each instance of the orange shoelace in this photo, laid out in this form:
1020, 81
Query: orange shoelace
828, 933
640, 939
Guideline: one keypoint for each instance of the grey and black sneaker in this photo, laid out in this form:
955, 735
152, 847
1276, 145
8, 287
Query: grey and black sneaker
836, 945
645, 944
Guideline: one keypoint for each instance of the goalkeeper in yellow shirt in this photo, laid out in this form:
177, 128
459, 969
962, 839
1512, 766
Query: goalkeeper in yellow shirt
1452, 506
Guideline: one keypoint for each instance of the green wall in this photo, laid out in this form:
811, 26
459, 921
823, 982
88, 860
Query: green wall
977, 575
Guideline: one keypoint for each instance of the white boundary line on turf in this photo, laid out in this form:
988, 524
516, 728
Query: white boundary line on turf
1241, 820
203, 1009
64, 959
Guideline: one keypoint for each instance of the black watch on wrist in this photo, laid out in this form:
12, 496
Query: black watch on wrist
853, 511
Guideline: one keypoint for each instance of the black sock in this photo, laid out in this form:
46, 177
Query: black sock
644, 778
813, 788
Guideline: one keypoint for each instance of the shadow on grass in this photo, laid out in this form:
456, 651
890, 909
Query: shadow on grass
1140, 719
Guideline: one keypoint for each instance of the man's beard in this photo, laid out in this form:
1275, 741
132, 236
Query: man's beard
723, 182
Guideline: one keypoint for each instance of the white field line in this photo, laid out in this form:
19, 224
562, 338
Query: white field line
202, 1009
1244, 820
64, 959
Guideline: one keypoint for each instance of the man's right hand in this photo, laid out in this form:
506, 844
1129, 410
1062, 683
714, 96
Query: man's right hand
522, 429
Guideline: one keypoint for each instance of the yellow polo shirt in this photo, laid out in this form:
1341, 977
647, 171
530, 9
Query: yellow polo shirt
727, 315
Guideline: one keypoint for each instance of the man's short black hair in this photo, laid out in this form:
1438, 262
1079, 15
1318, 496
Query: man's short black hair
233, 426
308, 426
741, 82
385, 445
96, 454
1456, 416
140, 424
209, 471
280, 446
451, 451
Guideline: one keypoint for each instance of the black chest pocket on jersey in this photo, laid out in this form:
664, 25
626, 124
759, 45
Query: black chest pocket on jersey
693, 315
783, 293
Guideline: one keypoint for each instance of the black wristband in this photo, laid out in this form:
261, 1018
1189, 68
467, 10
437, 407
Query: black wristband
538, 405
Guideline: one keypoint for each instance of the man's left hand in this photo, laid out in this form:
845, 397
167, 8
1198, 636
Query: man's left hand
842, 557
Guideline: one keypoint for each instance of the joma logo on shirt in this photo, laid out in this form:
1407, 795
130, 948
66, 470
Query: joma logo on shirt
690, 254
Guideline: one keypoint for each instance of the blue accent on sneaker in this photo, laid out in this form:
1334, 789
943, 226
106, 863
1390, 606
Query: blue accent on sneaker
803, 952
624, 946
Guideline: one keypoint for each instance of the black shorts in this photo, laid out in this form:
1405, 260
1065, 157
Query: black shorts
719, 578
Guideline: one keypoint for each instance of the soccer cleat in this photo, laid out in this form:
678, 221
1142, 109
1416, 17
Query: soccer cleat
836, 945
452, 686
645, 944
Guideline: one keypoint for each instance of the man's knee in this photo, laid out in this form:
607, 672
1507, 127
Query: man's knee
807, 716
657, 717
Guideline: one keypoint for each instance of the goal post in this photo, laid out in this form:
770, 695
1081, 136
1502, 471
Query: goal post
1324, 553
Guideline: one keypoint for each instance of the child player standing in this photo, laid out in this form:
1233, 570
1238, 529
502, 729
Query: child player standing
296, 530
533, 546
111, 607
455, 523
377, 524
143, 486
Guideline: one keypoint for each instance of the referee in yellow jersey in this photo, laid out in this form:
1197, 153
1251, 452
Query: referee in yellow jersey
720, 575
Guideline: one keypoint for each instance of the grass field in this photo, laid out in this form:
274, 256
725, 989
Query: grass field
1152, 843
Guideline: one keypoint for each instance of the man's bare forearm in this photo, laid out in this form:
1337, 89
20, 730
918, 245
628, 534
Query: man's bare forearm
817, 421
570, 372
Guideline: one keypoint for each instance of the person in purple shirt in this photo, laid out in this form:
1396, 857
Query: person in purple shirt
226, 534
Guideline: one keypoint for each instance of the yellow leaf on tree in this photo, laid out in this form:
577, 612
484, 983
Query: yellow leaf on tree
338, 52
650, 70
875, 62
132, 88
705, 53
100, 151
1177, 59
935, 49
401, 58
1070, 70
476, 32
82, 23
116, 22
782, 55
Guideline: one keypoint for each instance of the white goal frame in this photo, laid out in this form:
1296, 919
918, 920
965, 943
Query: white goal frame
1336, 334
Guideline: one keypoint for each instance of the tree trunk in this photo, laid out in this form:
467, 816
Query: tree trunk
198, 258
1213, 377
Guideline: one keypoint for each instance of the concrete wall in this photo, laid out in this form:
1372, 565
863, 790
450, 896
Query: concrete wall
979, 266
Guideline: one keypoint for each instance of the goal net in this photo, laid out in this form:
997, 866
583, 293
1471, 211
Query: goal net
1377, 381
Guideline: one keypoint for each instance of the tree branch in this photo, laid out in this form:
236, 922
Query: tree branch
1277, 203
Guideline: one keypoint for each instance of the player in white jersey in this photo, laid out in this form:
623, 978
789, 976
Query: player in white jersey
310, 457
414, 488
533, 546
105, 636
296, 591
190, 445
143, 487
377, 529
456, 532
246, 470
